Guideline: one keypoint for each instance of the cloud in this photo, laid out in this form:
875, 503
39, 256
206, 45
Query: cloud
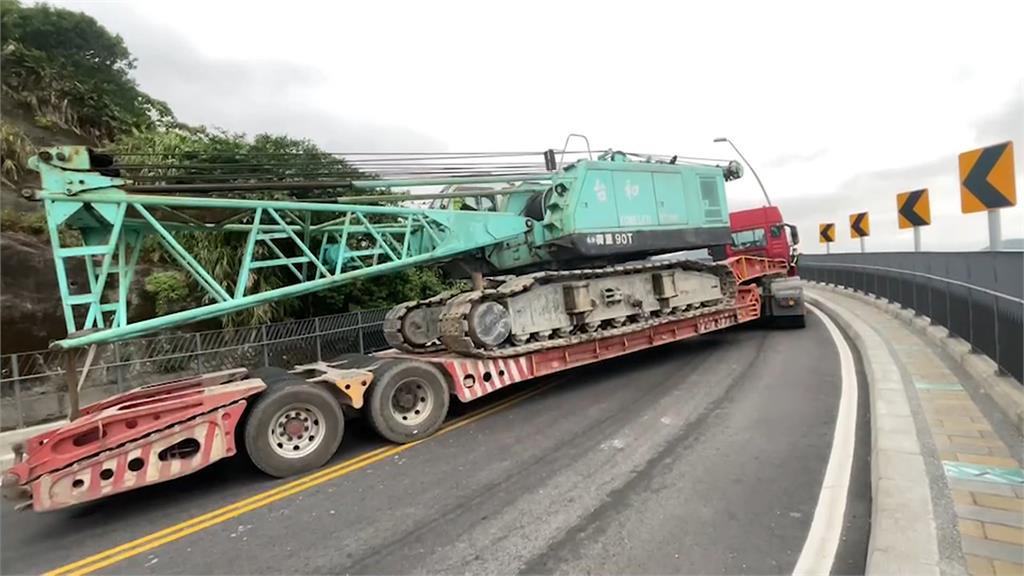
784, 160
875, 191
250, 96
1006, 124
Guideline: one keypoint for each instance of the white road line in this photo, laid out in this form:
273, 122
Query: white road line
822, 541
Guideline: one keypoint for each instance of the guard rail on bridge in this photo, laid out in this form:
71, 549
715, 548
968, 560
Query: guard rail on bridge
33, 385
978, 296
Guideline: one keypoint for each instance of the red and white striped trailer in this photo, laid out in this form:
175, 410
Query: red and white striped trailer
290, 422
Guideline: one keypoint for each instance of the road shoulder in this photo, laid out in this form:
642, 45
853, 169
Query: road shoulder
948, 497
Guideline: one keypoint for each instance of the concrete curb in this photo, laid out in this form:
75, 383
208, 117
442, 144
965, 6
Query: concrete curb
12, 437
903, 536
1005, 391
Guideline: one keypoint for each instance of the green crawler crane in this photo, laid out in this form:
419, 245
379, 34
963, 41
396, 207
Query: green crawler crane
556, 249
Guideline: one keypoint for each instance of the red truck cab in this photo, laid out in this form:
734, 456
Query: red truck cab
762, 232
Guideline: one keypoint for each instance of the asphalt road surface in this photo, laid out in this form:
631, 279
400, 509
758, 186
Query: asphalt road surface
705, 456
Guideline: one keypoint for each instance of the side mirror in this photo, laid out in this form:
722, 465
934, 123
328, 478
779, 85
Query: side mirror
794, 234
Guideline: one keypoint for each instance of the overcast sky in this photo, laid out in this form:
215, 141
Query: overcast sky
838, 107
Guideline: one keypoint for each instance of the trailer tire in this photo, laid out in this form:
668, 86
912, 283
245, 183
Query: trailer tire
293, 427
408, 400
273, 377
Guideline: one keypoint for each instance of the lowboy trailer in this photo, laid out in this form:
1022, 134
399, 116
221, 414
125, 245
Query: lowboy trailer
560, 255
291, 422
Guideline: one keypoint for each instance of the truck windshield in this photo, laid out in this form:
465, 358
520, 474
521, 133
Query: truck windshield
748, 239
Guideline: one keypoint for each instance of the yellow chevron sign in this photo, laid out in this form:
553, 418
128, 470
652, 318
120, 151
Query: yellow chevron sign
860, 225
986, 179
913, 208
826, 233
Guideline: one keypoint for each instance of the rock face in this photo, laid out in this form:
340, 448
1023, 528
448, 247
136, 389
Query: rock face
29, 301
30, 306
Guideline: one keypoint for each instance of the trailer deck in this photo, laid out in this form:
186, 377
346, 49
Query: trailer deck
472, 378
163, 431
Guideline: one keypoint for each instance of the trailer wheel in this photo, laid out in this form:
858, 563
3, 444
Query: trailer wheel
273, 377
408, 400
293, 427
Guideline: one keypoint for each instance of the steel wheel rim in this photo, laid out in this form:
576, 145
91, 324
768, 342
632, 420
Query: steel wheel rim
297, 430
411, 401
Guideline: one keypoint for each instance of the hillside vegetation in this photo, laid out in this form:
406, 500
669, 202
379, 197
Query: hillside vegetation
67, 80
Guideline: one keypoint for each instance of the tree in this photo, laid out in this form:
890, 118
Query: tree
263, 155
69, 71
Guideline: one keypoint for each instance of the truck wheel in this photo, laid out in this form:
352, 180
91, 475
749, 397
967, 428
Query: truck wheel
293, 427
273, 377
408, 400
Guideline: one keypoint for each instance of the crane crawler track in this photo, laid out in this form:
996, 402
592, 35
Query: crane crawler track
454, 318
393, 324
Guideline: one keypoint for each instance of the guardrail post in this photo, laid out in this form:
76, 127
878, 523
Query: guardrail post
266, 351
359, 322
949, 311
319, 351
72, 384
119, 370
16, 383
970, 319
913, 287
199, 350
931, 311
995, 316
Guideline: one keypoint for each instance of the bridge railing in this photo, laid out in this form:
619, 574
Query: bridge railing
33, 385
978, 296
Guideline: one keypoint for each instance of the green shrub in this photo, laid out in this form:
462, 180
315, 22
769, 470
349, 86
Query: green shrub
34, 224
31, 223
171, 291
15, 150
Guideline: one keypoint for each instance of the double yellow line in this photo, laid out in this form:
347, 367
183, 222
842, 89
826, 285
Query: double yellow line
193, 525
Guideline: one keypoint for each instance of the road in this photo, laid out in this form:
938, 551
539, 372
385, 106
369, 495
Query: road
705, 456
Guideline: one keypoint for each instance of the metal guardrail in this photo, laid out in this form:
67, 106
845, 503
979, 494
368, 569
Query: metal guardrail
978, 296
33, 384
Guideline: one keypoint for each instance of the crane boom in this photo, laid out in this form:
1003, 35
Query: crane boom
332, 242
576, 215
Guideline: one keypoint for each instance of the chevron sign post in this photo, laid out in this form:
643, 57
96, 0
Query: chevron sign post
914, 211
987, 184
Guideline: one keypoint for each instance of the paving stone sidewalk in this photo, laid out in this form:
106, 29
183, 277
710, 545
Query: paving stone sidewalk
981, 468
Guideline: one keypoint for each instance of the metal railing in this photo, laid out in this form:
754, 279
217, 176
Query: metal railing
33, 386
978, 296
